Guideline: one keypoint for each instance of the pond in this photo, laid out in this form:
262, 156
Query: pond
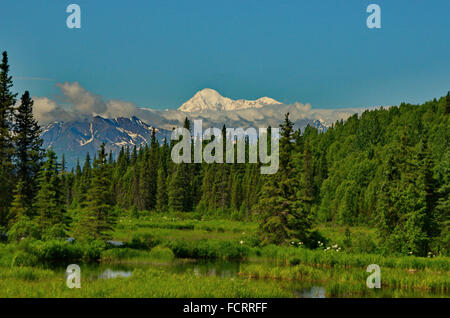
226, 269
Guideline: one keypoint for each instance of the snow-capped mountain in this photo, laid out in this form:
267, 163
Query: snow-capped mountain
210, 100
76, 138
80, 133
320, 125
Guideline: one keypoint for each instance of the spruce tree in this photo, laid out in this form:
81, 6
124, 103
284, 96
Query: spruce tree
7, 101
180, 186
28, 144
149, 174
447, 103
19, 207
161, 196
97, 220
50, 205
282, 211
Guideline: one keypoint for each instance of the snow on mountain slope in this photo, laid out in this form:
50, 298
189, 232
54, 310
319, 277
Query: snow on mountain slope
210, 100
76, 138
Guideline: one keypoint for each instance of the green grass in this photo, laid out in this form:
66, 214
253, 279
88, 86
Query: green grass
142, 283
172, 228
351, 281
269, 271
331, 258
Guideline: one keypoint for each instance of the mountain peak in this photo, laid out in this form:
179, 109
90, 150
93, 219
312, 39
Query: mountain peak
209, 99
208, 92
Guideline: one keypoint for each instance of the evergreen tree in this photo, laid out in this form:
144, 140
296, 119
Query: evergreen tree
28, 147
180, 190
161, 196
283, 213
50, 205
7, 101
149, 173
19, 206
447, 103
96, 220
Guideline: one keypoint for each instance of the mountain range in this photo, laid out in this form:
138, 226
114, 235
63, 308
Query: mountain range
77, 138
210, 100
80, 135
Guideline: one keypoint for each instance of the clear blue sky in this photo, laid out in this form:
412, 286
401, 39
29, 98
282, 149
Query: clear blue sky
158, 53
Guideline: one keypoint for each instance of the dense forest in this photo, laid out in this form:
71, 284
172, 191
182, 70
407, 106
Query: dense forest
388, 168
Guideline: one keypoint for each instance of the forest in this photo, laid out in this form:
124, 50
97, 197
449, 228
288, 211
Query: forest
387, 170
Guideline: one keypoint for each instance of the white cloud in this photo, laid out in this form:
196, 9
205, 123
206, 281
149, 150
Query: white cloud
84, 103
42, 107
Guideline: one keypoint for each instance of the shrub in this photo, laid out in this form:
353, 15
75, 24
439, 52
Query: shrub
161, 252
55, 250
61, 250
119, 253
93, 250
144, 241
54, 232
208, 249
314, 238
23, 228
364, 244
22, 258
294, 261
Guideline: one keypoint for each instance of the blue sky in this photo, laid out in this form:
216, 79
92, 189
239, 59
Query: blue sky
158, 53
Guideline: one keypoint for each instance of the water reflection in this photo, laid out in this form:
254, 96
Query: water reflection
313, 292
231, 269
109, 273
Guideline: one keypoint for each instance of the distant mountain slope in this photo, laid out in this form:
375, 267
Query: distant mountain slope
75, 139
210, 100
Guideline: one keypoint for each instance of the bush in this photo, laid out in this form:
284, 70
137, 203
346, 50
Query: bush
364, 244
93, 250
209, 249
23, 228
54, 232
119, 253
22, 258
143, 241
55, 250
314, 238
294, 261
161, 252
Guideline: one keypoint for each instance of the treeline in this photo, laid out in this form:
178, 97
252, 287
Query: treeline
387, 168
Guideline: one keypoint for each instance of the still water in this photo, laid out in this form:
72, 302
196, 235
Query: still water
225, 269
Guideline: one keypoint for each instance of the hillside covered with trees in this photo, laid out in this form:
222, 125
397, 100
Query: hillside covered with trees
387, 168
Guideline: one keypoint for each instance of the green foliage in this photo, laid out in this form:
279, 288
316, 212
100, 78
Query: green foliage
386, 168
143, 241
161, 252
24, 227
7, 101
28, 152
97, 219
22, 258
50, 205
284, 204
209, 249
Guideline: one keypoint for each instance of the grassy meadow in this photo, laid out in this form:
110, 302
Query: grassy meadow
180, 256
